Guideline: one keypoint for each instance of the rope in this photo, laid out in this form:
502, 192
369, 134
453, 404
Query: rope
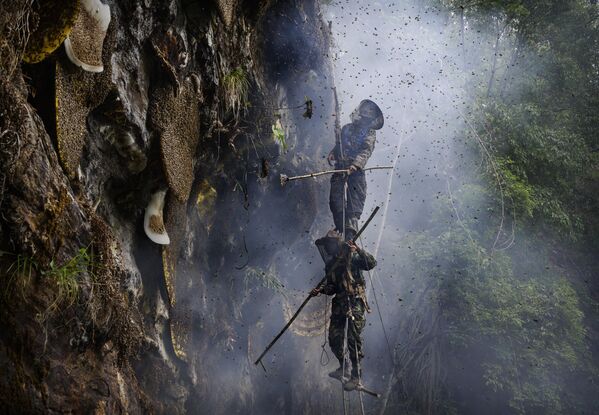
386, 205
378, 309
360, 382
376, 249
343, 365
377, 246
386, 208
324, 355
344, 203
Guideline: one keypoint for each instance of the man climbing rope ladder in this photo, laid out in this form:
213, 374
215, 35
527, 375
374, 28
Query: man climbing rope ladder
352, 150
344, 265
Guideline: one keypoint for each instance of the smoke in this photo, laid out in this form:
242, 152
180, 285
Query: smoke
428, 68
407, 58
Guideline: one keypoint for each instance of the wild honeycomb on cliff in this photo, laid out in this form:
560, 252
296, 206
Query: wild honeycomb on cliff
175, 223
56, 20
227, 8
85, 43
177, 118
77, 93
181, 330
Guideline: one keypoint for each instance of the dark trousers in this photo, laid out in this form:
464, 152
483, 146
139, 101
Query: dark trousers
356, 196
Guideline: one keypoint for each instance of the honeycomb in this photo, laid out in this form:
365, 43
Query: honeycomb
56, 20
177, 118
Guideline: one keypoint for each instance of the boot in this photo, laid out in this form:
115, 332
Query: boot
350, 229
339, 375
353, 383
349, 234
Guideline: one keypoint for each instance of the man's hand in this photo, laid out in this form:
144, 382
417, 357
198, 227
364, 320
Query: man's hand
352, 246
351, 169
331, 158
315, 292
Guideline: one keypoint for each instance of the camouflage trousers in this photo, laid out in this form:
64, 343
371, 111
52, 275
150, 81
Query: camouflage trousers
355, 325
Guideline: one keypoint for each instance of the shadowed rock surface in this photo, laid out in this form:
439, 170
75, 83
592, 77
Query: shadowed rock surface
96, 318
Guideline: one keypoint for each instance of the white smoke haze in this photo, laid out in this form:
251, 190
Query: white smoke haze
406, 57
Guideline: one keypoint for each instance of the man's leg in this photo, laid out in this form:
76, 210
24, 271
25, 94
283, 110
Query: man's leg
356, 196
354, 343
336, 337
336, 199
351, 227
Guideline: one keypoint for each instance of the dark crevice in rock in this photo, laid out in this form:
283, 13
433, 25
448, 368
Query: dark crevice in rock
40, 78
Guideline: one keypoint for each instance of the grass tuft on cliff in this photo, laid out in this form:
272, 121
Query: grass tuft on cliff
66, 277
236, 86
22, 268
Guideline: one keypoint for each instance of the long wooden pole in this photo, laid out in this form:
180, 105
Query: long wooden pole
285, 179
301, 307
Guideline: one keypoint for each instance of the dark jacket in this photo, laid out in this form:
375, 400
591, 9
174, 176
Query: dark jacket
340, 282
357, 144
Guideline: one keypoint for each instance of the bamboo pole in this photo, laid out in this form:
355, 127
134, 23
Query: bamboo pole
284, 178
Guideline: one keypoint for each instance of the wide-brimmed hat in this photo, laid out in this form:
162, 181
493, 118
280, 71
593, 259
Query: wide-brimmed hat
370, 110
329, 245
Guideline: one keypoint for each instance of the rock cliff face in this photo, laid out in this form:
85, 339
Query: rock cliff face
203, 100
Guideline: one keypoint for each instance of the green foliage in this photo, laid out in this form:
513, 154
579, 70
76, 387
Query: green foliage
538, 143
519, 192
278, 134
236, 86
19, 273
65, 276
529, 327
519, 315
263, 278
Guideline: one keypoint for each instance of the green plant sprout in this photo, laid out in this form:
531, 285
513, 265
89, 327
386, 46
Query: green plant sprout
65, 276
267, 279
279, 135
22, 266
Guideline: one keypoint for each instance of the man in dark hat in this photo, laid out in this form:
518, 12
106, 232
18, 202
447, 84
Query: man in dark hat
351, 153
344, 265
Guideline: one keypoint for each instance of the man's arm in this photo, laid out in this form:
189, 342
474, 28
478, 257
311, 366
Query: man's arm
363, 260
327, 289
365, 151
